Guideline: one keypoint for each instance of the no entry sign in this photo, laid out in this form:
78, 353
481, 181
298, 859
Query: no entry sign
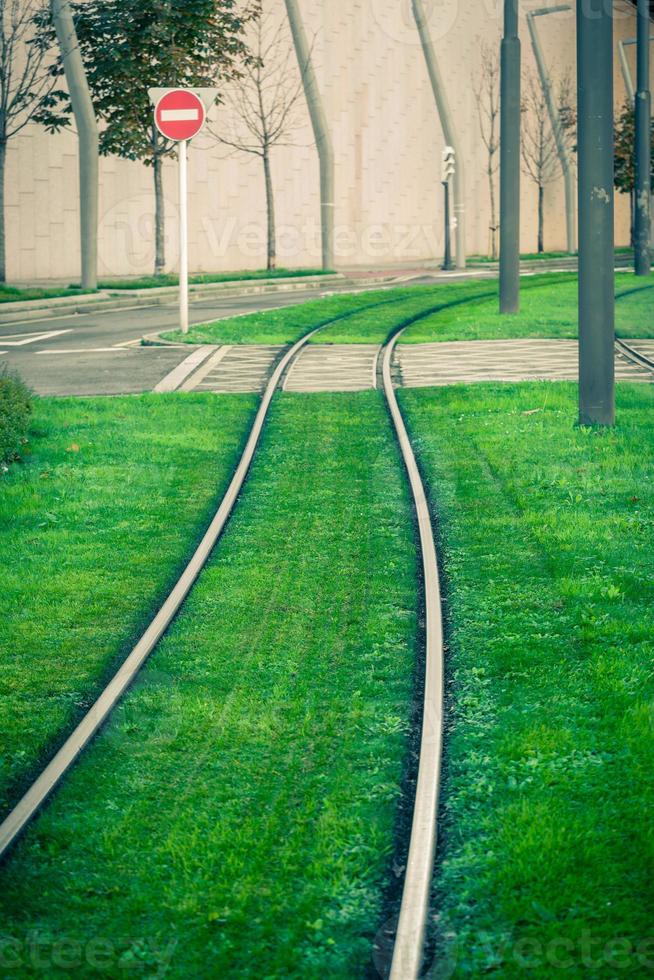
179, 115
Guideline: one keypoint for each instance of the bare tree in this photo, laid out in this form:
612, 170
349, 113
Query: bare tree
486, 88
27, 82
540, 161
263, 106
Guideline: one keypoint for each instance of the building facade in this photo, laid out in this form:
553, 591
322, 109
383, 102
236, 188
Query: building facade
387, 141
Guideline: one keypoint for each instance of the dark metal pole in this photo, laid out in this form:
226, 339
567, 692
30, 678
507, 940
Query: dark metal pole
87, 134
510, 162
596, 229
447, 260
643, 106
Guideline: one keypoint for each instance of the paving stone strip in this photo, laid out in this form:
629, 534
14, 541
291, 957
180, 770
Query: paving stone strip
353, 367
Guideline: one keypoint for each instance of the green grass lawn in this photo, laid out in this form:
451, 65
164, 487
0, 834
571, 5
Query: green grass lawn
286, 325
238, 813
172, 279
377, 325
548, 309
461, 311
634, 311
95, 525
547, 838
368, 317
12, 294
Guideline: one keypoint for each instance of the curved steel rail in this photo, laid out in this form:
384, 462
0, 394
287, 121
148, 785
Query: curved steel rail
410, 935
59, 765
633, 355
50, 777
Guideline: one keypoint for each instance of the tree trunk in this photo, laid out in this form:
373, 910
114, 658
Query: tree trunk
541, 194
3, 159
159, 208
270, 210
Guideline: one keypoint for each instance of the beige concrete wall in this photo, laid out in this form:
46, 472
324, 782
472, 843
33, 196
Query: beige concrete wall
387, 141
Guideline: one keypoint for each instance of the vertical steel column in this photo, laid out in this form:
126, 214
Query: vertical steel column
510, 162
596, 221
643, 107
87, 134
320, 131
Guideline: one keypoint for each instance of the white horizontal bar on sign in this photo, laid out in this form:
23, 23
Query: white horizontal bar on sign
179, 115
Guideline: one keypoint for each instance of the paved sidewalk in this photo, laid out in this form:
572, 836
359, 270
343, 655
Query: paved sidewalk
353, 367
423, 365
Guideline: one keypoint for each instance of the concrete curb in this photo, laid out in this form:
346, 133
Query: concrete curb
551, 265
109, 300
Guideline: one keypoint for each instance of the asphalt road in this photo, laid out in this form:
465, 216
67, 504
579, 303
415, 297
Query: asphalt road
89, 353
98, 354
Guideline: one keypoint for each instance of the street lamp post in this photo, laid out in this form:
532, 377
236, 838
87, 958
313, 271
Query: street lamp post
643, 108
449, 168
596, 213
510, 162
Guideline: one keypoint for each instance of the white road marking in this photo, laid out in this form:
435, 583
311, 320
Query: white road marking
9, 340
87, 350
178, 375
191, 383
243, 368
4, 352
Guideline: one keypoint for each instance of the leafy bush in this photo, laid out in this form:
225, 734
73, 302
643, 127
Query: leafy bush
15, 411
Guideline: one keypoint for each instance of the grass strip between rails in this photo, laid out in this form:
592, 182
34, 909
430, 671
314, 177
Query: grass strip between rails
360, 318
548, 309
236, 817
95, 526
469, 312
288, 324
547, 839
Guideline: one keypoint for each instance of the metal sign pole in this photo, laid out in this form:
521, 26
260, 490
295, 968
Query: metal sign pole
179, 115
183, 236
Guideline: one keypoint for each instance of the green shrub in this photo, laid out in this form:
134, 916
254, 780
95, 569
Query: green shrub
15, 411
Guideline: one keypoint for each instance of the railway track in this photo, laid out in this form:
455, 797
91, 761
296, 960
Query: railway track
411, 930
412, 924
634, 356
51, 776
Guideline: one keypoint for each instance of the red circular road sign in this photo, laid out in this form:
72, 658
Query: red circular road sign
179, 114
